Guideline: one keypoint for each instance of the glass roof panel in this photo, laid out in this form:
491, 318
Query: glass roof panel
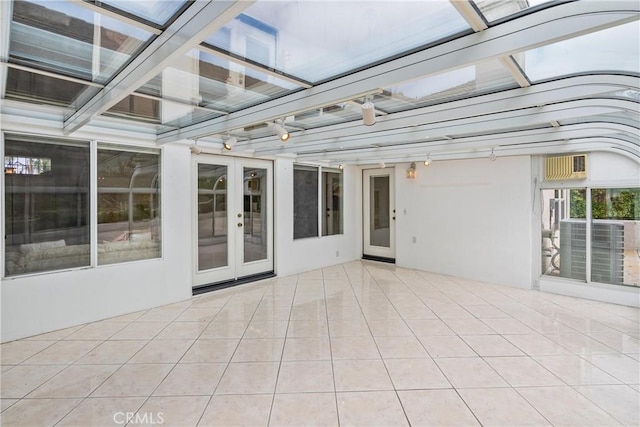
316, 40
498, 9
67, 38
206, 81
156, 11
167, 115
32, 87
466, 82
613, 49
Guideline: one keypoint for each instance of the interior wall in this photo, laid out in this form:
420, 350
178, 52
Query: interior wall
468, 218
296, 256
45, 302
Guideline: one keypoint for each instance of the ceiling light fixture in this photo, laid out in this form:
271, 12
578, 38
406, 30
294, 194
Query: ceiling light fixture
230, 143
368, 112
341, 167
278, 126
492, 156
428, 161
381, 164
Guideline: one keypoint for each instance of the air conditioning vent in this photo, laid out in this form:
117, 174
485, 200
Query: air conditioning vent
566, 167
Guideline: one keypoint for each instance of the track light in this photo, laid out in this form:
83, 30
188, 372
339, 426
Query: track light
278, 126
195, 149
368, 113
229, 143
428, 161
381, 164
492, 156
341, 167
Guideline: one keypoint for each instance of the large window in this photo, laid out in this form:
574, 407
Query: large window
128, 205
46, 205
610, 217
47, 213
317, 193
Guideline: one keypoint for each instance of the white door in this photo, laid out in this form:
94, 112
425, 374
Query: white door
379, 213
233, 218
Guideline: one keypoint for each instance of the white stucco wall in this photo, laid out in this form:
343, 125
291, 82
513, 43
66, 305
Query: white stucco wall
45, 302
469, 218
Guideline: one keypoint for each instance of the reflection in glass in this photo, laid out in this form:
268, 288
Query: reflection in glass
212, 217
564, 243
128, 205
331, 202
213, 85
31, 87
46, 205
613, 49
316, 40
255, 214
156, 11
615, 236
380, 222
496, 9
480, 79
65, 37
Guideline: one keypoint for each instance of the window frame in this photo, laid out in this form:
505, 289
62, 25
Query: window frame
320, 174
93, 146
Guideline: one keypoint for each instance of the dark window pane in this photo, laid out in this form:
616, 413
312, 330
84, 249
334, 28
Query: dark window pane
47, 209
305, 202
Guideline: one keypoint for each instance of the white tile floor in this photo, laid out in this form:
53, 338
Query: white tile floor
355, 344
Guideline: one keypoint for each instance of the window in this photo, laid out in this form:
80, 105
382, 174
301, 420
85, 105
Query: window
305, 201
331, 202
48, 210
46, 205
317, 194
613, 217
128, 205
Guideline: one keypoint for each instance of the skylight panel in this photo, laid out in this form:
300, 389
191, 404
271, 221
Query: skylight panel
615, 49
156, 11
66, 38
494, 10
317, 40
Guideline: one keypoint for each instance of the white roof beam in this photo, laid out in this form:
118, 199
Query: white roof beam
582, 130
550, 92
200, 20
470, 14
512, 66
528, 32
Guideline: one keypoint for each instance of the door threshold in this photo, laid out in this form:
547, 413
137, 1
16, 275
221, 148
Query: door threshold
378, 258
233, 282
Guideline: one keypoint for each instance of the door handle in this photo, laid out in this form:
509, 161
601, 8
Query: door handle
239, 224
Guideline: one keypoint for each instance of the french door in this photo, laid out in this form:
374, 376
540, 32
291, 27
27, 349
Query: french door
233, 218
379, 210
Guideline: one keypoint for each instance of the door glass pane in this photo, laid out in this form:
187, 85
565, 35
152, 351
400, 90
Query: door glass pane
212, 217
255, 214
379, 227
615, 236
564, 233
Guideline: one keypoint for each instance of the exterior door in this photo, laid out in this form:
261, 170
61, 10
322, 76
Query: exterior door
379, 213
234, 221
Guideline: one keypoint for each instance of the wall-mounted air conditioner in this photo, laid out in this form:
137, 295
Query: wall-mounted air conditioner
565, 167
